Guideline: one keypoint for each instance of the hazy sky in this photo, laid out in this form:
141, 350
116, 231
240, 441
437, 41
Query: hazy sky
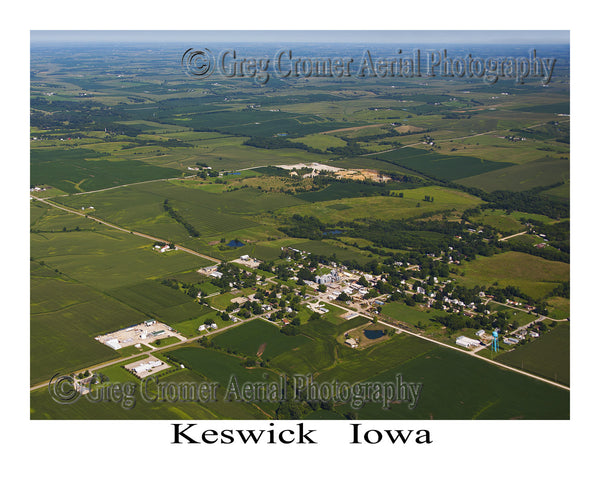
315, 36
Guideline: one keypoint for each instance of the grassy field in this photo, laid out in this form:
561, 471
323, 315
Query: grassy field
409, 315
535, 276
499, 220
547, 356
140, 208
559, 307
410, 205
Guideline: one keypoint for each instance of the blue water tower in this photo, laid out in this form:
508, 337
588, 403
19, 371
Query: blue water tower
495, 341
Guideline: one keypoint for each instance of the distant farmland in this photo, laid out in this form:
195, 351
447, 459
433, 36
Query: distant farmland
446, 167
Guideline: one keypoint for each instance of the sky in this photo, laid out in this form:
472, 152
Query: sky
314, 36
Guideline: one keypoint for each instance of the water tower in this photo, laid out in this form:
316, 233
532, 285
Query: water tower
495, 341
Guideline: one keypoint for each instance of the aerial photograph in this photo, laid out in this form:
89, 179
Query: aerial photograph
304, 225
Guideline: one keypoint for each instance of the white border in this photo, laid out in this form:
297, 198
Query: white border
461, 448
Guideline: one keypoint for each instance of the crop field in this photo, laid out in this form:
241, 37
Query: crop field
107, 258
65, 317
547, 355
257, 123
535, 276
140, 208
471, 389
338, 191
496, 148
215, 365
563, 191
447, 167
84, 170
517, 178
324, 350
250, 337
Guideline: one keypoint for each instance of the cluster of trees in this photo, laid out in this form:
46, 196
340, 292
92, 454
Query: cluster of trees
191, 289
563, 290
304, 227
179, 219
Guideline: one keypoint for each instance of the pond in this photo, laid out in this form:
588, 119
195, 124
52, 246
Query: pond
235, 243
373, 334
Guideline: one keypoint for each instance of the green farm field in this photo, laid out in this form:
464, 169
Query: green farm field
106, 258
249, 338
547, 356
471, 389
66, 315
517, 178
447, 167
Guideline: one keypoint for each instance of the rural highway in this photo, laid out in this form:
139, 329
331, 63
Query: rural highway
116, 227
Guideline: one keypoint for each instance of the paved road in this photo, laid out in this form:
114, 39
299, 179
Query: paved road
116, 227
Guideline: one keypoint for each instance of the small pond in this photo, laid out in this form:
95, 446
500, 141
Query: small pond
373, 334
